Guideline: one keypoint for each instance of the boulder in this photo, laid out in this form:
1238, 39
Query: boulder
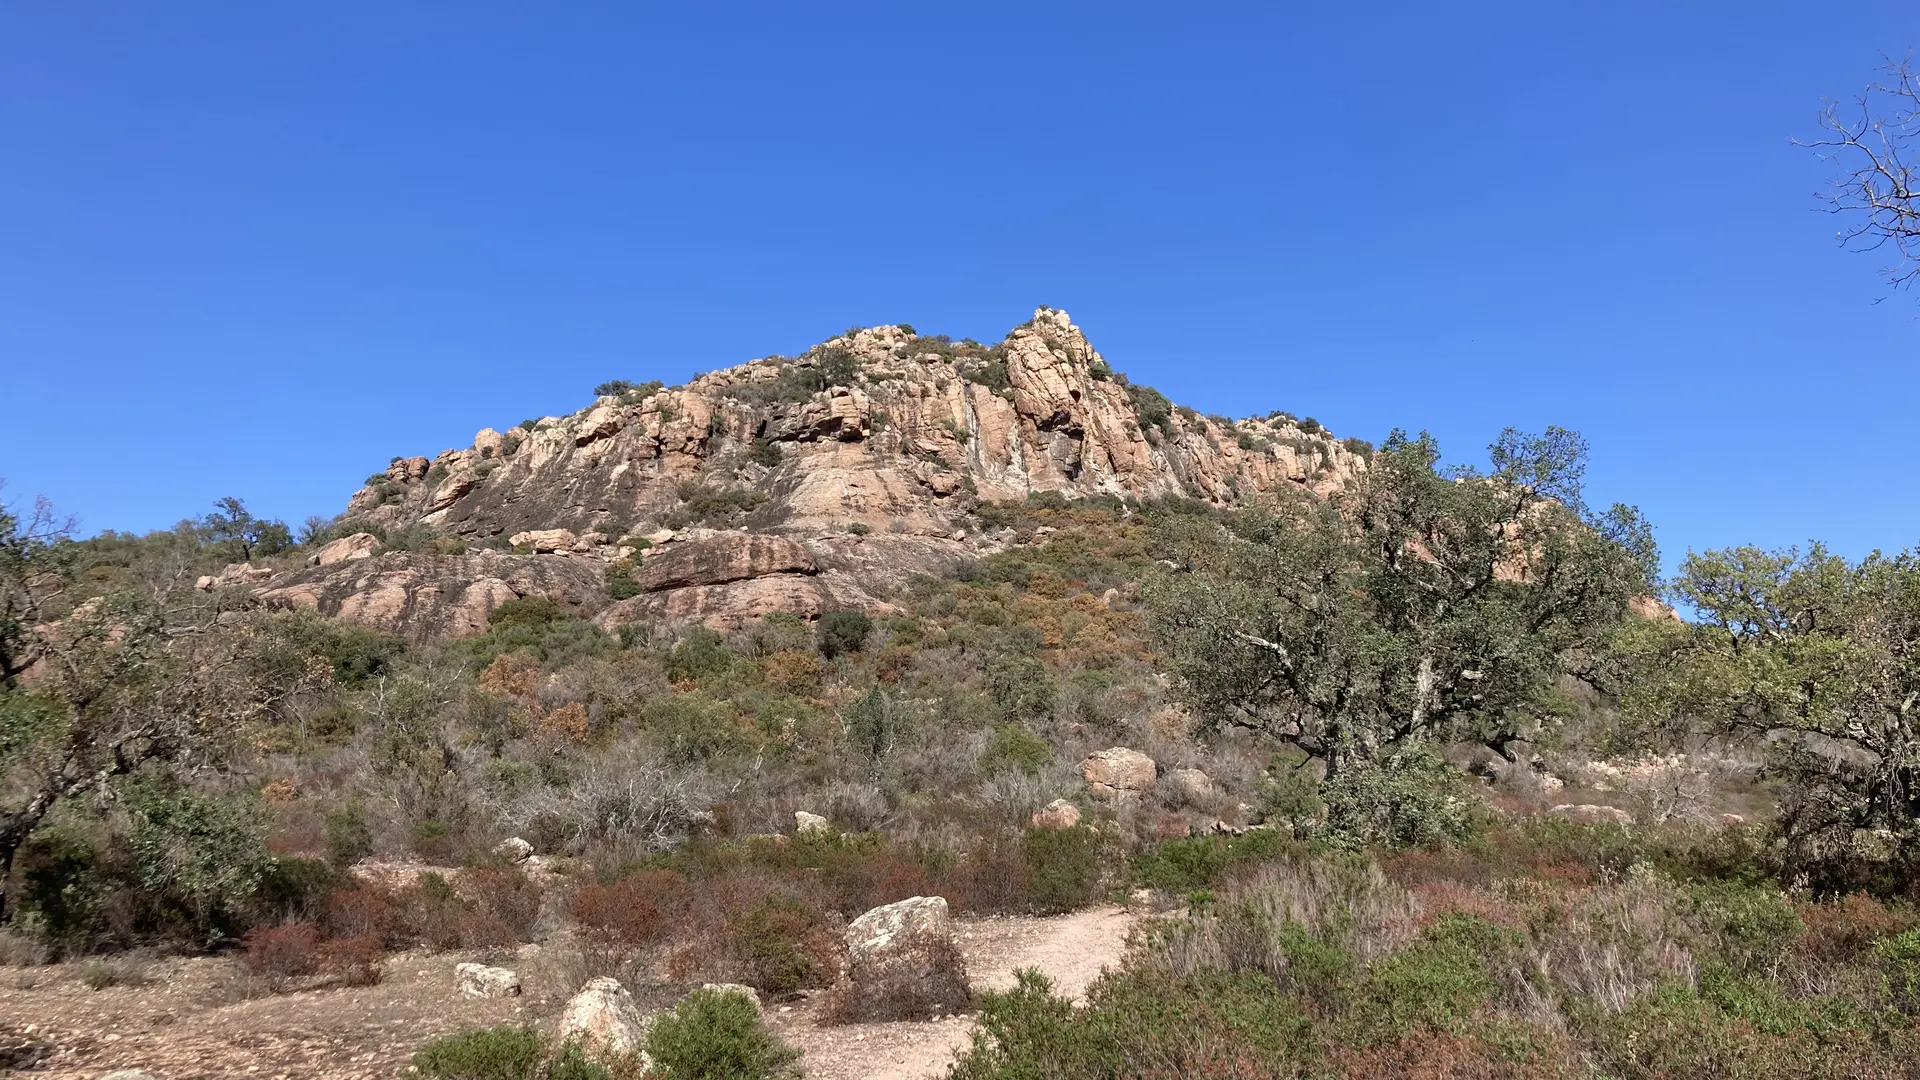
407, 470
603, 1019
1194, 787
513, 849
130, 1074
1059, 814
806, 824
345, 549
1592, 812
479, 980
747, 992
887, 929
424, 596
1119, 774
545, 541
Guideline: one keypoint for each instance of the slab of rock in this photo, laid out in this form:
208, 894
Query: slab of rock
1119, 774
432, 596
885, 929
723, 557
545, 541
1592, 812
806, 824
1058, 814
479, 980
513, 849
345, 549
603, 1019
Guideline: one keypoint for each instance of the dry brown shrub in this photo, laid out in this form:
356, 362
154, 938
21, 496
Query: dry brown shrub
619, 923
794, 672
359, 910
924, 976
567, 725
990, 879
513, 675
507, 895
283, 954
354, 960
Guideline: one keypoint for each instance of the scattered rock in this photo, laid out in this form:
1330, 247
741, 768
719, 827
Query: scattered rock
1119, 774
747, 992
1194, 787
1059, 814
603, 1019
346, 549
806, 824
1592, 812
513, 849
479, 980
130, 1074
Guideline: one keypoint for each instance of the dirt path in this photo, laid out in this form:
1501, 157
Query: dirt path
1070, 949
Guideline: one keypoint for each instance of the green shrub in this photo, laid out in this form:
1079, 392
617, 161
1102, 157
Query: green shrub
1750, 926
1152, 408
620, 581
497, 1053
715, 1035
765, 452
1063, 868
874, 722
704, 505
700, 655
1440, 979
693, 727
842, 632
1407, 799
1184, 864
533, 611
208, 851
1021, 686
1013, 747
349, 836
1899, 958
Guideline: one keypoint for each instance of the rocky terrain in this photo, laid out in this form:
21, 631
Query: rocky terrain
786, 484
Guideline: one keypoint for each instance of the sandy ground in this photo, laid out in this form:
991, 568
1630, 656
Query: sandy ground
201, 1019
1069, 949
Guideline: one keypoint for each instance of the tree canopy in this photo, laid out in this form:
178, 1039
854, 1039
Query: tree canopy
1418, 602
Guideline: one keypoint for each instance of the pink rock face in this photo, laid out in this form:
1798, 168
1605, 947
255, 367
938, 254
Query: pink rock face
345, 549
1119, 773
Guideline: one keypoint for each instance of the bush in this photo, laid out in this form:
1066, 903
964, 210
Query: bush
531, 611
715, 1035
842, 632
765, 452
496, 1053
1063, 868
1021, 687
620, 581
1407, 799
282, 954
779, 946
349, 836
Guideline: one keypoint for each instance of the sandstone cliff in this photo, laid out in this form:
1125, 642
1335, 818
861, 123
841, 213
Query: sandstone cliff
801, 484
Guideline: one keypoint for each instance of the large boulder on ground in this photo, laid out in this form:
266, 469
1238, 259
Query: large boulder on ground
513, 849
1119, 774
603, 1019
479, 980
1194, 787
1058, 814
809, 824
903, 963
346, 549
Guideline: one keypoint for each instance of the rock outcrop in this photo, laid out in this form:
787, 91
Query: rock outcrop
425, 596
1119, 774
804, 484
479, 980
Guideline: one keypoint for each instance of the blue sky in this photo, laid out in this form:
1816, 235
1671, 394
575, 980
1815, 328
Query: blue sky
260, 249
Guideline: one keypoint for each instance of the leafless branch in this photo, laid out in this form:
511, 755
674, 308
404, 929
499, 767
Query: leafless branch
1872, 141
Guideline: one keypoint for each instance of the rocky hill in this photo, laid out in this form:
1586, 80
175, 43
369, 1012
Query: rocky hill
803, 484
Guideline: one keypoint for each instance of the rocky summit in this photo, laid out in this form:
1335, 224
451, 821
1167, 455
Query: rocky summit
802, 484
